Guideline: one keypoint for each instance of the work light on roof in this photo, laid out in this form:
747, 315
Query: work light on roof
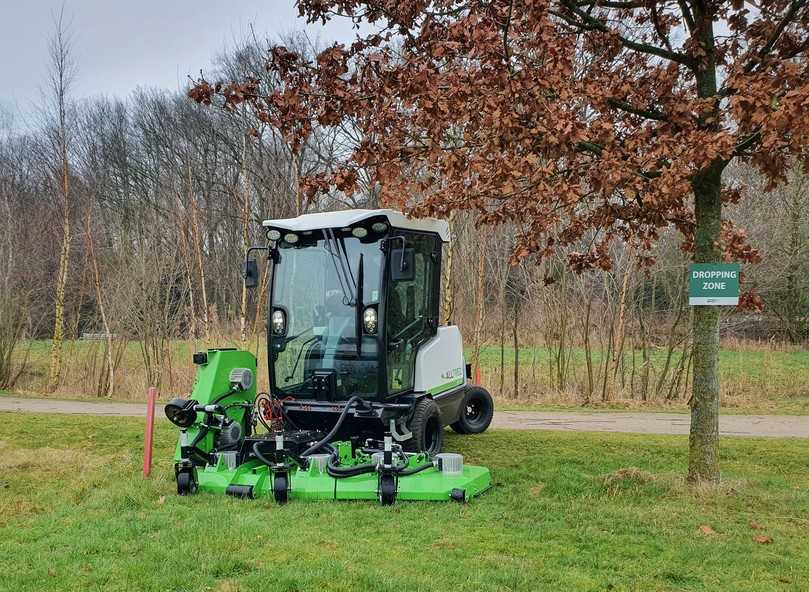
273, 234
291, 238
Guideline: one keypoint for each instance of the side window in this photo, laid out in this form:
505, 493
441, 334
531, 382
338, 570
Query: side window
411, 311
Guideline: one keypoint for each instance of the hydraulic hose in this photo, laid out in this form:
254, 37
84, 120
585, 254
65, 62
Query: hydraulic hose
201, 433
270, 463
414, 470
341, 472
222, 397
260, 456
350, 403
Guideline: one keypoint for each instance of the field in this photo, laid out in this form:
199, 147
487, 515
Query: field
755, 378
75, 514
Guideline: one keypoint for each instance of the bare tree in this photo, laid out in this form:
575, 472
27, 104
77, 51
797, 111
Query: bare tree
62, 74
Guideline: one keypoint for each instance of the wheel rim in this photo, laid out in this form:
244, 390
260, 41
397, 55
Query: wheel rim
475, 411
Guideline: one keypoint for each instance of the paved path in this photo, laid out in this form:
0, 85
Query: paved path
784, 426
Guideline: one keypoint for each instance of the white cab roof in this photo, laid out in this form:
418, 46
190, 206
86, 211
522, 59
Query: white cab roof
345, 218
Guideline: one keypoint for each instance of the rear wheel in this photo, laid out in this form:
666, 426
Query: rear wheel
426, 427
477, 411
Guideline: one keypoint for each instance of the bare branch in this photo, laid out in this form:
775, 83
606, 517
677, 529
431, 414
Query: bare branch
590, 22
648, 113
792, 11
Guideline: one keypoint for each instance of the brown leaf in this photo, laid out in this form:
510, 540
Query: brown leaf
756, 526
707, 530
51, 572
763, 539
161, 500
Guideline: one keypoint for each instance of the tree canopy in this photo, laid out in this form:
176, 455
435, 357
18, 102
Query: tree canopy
570, 118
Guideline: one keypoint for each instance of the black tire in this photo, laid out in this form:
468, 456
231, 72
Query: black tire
186, 485
279, 488
426, 427
387, 490
477, 411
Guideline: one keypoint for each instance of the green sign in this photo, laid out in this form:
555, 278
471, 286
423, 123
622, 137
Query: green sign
713, 284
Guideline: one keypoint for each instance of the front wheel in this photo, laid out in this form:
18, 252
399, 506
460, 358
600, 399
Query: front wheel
186, 484
426, 427
280, 488
477, 411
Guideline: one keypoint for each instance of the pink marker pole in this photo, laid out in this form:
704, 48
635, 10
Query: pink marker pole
151, 398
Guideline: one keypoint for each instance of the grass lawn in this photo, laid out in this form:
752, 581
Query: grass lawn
76, 514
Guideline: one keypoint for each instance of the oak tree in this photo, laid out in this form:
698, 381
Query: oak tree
579, 121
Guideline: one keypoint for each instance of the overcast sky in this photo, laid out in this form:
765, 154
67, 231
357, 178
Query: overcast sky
120, 45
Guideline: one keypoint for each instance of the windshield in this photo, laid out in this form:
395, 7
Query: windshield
315, 283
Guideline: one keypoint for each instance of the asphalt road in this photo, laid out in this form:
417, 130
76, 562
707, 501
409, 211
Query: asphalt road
778, 426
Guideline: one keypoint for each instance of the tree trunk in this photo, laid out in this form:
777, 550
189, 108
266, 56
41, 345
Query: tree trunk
447, 288
516, 337
588, 351
55, 370
502, 336
245, 241
703, 441
703, 454
480, 299
197, 239
110, 380
61, 64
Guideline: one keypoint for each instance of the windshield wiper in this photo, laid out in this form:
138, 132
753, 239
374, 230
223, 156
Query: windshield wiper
298, 359
341, 267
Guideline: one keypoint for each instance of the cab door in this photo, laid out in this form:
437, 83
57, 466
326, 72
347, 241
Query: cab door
411, 303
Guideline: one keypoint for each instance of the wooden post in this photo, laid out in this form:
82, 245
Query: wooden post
151, 398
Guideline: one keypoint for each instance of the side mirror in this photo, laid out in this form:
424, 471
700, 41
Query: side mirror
402, 265
250, 274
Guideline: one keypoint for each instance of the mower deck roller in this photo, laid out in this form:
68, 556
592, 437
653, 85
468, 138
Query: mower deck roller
363, 380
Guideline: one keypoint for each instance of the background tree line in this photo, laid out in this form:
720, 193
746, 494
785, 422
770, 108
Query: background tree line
126, 220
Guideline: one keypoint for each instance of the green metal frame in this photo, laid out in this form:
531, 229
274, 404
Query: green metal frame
212, 380
311, 483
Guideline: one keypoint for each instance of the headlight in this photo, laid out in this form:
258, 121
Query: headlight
273, 234
360, 232
181, 412
379, 227
369, 320
291, 238
278, 322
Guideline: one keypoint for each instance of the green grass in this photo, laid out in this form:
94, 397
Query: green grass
75, 514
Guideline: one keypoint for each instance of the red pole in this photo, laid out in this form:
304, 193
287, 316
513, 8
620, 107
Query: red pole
151, 397
477, 375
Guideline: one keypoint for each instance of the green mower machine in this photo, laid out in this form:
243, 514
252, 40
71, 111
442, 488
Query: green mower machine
362, 377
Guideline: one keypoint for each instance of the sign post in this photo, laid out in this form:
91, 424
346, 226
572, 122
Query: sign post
713, 284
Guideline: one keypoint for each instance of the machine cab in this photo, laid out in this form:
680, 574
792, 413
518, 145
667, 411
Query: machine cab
354, 295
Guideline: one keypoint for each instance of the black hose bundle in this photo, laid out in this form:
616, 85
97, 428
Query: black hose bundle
350, 403
340, 472
260, 456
